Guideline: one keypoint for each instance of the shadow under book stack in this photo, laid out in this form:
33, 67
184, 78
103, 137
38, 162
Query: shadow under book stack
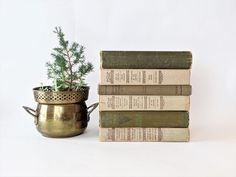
144, 95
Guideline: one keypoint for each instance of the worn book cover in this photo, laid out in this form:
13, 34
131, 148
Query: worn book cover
144, 77
144, 134
155, 119
146, 59
184, 90
143, 102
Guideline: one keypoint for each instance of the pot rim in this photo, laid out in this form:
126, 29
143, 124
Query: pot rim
60, 97
84, 88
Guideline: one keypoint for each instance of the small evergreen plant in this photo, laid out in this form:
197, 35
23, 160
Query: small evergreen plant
69, 68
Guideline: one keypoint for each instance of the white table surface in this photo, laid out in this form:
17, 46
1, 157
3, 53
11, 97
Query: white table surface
24, 152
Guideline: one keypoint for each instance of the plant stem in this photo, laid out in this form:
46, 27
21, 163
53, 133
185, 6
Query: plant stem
70, 68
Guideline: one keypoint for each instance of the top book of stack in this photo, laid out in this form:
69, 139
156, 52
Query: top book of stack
146, 59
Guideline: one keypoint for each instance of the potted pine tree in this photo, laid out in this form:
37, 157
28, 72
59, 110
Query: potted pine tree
61, 109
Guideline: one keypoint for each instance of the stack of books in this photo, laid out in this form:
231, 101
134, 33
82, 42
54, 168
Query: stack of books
144, 95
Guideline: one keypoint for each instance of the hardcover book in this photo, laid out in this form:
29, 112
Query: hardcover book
145, 77
146, 59
144, 134
184, 90
155, 119
143, 102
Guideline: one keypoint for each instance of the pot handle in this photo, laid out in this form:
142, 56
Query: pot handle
93, 106
32, 112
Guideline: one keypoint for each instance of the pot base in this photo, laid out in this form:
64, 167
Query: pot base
81, 131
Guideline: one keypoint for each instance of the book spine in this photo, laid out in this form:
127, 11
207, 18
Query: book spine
153, 119
144, 77
146, 60
144, 134
143, 102
145, 90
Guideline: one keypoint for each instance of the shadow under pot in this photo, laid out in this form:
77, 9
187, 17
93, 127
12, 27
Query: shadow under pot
61, 113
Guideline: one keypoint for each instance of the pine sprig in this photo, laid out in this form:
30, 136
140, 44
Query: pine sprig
69, 67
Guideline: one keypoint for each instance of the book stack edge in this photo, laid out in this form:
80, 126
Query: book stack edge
144, 96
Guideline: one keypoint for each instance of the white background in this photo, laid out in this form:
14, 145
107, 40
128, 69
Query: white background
206, 27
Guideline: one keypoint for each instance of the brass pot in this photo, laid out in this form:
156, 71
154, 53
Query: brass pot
61, 114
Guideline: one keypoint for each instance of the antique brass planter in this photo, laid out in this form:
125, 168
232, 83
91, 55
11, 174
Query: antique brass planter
62, 113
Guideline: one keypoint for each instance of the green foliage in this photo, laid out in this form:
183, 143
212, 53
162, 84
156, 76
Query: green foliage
69, 67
